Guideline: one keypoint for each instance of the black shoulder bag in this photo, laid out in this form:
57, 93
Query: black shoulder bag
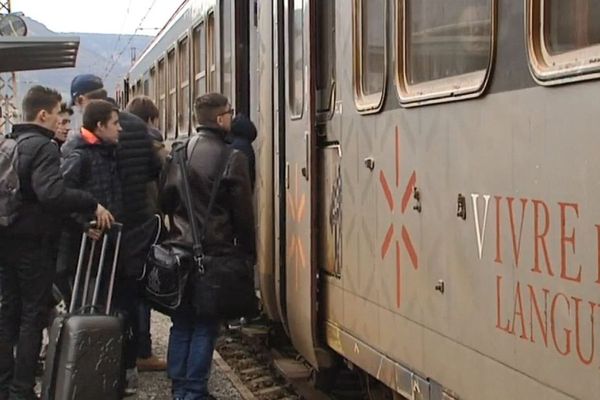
222, 286
168, 265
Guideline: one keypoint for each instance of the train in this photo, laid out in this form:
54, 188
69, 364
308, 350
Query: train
427, 181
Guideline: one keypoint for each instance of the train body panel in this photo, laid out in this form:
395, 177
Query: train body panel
507, 156
448, 248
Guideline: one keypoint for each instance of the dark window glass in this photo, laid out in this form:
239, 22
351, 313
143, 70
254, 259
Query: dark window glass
172, 92
326, 53
211, 54
296, 55
184, 88
162, 97
373, 46
447, 38
571, 24
226, 54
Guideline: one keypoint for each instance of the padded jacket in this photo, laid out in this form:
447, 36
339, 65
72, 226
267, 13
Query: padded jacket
139, 165
45, 197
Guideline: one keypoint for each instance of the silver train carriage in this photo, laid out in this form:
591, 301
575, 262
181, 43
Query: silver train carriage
427, 195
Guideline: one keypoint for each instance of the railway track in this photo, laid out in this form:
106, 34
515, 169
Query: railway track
268, 371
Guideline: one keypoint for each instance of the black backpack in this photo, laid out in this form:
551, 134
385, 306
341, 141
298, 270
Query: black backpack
10, 188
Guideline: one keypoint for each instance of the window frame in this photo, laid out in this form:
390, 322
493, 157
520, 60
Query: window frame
161, 94
171, 93
372, 103
200, 74
212, 79
547, 69
183, 84
295, 114
454, 88
227, 23
152, 87
327, 113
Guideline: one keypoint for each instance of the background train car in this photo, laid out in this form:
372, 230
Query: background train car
203, 48
427, 182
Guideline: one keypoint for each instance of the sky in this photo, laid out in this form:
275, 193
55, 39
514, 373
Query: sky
104, 16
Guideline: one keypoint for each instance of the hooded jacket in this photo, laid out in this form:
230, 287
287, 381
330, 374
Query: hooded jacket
45, 196
230, 226
243, 133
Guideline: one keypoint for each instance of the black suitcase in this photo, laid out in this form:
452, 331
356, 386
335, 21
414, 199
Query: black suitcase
86, 345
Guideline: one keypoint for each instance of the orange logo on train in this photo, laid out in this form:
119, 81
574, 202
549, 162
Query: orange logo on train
390, 237
297, 204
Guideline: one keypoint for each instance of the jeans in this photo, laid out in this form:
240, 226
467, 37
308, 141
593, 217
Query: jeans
191, 346
26, 274
144, 337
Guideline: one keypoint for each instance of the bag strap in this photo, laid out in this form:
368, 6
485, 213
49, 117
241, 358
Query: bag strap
224, 160
181, 158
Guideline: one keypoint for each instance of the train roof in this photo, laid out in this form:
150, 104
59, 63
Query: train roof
30, 53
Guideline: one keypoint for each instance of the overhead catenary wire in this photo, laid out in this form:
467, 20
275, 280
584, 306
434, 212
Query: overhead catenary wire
118, 41
116, 59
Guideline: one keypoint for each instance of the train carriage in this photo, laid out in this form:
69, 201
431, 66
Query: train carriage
427, 181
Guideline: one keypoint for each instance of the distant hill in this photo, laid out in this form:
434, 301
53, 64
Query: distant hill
96, 54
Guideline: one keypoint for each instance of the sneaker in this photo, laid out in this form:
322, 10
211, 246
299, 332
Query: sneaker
131, 381
152, 363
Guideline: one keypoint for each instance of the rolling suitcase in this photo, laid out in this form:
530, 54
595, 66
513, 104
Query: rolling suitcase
86, 345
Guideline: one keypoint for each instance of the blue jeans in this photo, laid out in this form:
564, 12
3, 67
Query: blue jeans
191, 346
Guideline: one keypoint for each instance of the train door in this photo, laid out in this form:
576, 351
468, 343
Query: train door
300, 177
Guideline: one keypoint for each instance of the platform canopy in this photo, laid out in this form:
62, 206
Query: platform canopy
31, 53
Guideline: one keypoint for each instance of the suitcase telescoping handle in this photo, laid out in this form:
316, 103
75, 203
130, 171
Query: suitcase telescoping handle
116, 227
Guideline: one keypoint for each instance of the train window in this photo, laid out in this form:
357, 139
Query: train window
152, 86
184, 86
370, 55
172, 93
444, 49
325, 55
296, 56
226, 52
564, 39
146, 87
199, 61
162, 94
211, 54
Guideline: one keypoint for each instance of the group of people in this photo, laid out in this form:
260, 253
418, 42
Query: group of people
107, 168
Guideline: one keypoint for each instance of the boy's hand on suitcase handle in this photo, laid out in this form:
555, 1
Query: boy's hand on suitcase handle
104, 218
94, 234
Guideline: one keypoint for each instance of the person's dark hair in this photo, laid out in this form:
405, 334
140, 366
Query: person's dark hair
208, 106
113, 102
39, 98
97, 111
98, 94
143, 107
64, 109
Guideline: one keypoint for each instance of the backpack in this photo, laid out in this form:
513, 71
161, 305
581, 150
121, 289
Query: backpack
10, 188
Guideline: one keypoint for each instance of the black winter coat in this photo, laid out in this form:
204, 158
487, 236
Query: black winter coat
139, 165
93, 168
231, 223
46, 198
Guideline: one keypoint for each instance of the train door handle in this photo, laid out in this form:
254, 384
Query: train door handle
287, 175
